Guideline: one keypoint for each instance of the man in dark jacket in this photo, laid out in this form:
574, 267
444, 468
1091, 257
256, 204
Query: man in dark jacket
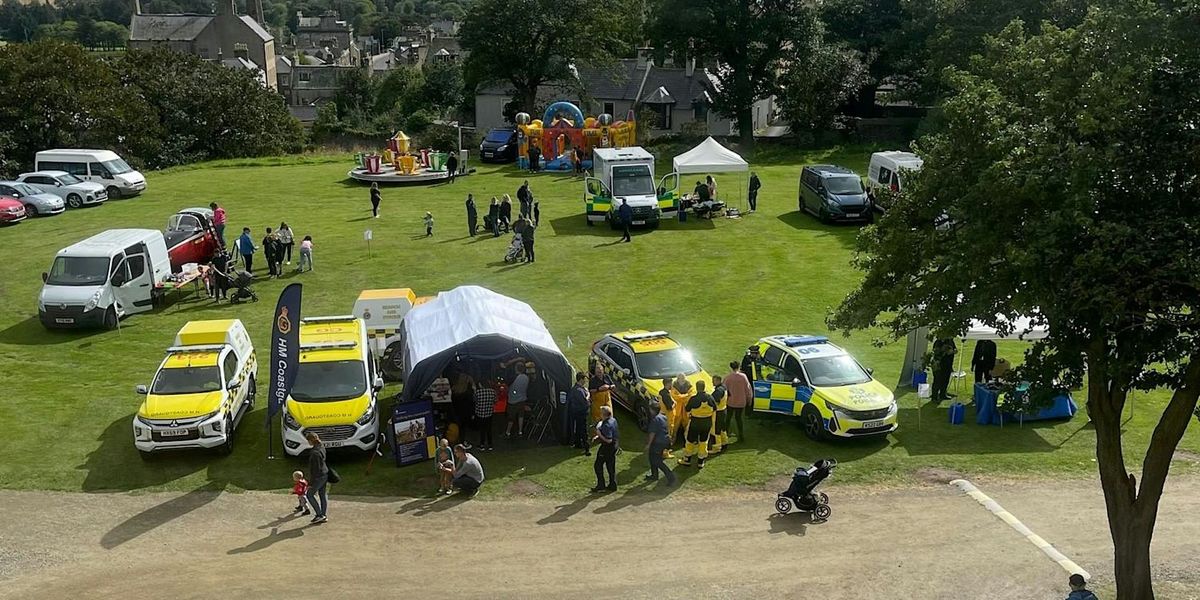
452, 166
472, 216
983, 360
625, 216
1079, 589
270, 245
525, 199
318, 478
494, 217
577, 413
527, 240
943, 365
755, 184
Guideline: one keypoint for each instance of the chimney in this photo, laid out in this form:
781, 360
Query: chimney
220, 55
258, 12
689, 68
137, 7
225, 7
645, 57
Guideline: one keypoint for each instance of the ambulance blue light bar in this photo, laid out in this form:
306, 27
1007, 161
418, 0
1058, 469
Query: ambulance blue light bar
805, 340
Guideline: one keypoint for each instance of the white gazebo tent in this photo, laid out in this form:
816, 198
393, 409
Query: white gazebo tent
711, 157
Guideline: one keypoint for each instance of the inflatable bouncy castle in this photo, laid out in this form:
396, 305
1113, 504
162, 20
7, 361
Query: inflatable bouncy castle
562, 129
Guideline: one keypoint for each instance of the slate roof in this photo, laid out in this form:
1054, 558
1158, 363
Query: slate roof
256, 28
169, 28
622, 83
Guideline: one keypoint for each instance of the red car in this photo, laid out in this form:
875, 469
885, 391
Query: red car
11, 210
191, 238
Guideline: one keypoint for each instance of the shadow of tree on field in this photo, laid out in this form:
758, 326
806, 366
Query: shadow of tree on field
159, 515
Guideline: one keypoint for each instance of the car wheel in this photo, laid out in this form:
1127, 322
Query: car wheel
643, 414
145, 456
113, 192
783, 505
74, 201
110, 318
814, 425
31, 210
589, 221
251, 393
227, 448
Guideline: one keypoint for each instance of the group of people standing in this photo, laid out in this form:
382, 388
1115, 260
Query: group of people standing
499, 218
475, 399
277, 246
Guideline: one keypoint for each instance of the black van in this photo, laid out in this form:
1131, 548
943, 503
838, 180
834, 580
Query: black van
500, 145
832, 193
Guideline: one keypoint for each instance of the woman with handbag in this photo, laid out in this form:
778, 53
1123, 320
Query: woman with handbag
320, 476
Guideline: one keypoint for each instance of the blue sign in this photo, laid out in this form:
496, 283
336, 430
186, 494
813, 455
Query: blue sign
412, 431
285, 349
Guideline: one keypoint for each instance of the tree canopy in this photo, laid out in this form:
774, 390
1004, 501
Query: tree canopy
1064, 182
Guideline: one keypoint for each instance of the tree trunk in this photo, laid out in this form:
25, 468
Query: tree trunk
864, 101
745, 122
1133, 510
528, 96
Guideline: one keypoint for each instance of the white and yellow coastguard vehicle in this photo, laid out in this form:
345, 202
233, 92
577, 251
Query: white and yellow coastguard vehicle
638, 360
336, 387
382, 311
834, 395
203, 388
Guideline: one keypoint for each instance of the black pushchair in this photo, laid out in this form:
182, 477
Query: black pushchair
241, 287
800, 493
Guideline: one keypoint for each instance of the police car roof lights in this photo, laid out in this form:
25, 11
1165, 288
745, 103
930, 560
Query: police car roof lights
649, 335
804, 340
334, 319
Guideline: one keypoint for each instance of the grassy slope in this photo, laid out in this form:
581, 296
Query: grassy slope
65, 417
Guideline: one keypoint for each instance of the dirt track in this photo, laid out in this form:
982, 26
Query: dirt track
925, 542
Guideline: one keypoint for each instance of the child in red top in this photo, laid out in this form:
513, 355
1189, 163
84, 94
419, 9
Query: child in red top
299, 488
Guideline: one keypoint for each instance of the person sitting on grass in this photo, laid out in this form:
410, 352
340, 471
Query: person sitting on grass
468, 475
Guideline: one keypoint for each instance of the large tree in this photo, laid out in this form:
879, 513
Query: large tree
749, 41
529, 43
1068, 170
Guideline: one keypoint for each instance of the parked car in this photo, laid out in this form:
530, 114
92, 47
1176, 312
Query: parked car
98, 166
887, 171
11, 210
638, 360
74, 190
37, 203
832, 193
500, 145
191, 238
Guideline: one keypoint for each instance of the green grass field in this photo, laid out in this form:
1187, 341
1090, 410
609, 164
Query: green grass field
716, 286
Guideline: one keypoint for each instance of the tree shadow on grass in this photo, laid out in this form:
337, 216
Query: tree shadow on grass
31, 333
936, 436
843, 233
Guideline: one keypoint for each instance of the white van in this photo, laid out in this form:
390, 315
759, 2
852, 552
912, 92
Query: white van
103, 278
886, 170
99, 166
628, 174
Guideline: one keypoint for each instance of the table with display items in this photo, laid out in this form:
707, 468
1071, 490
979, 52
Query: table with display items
989, 407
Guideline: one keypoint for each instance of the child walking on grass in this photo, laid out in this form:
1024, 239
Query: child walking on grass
306, 247
428, 224
299, 488
443, 459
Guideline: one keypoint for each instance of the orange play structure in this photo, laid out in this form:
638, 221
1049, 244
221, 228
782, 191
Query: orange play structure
564, 128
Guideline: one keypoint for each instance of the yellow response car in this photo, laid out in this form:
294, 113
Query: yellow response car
201, 391
821, 383
335, 389
638, 360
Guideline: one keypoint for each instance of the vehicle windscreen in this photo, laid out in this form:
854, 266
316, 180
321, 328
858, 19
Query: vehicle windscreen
329, 381
666, 363
632, 180
498, 136
26, 189
78, 270
117, 166
69, 179
834, 371
849, 184
187, 380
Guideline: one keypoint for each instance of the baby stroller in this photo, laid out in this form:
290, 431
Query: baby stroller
516, 250
241, 287
800, 493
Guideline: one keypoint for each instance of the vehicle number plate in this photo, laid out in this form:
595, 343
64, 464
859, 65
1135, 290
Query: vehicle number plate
487, 154
639, 222
873, 424
333, 444
173, 432
64, 320
852, 215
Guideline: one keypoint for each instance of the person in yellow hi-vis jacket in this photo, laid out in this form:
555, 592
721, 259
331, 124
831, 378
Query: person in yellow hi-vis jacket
681, 392
702, 411
600, 390
719, 436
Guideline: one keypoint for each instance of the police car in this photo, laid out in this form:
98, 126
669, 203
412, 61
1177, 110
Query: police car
809, 377
638, 360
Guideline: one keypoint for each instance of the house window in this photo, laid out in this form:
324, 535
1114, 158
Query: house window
662, 113
204, 53
610, 108
699, 111
305, 76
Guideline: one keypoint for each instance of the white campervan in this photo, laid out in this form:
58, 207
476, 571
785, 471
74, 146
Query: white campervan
100, 166
887, 171
103, 278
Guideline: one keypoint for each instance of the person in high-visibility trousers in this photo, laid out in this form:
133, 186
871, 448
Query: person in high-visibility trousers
681, 392
600, 390
666, 407
702, 411
719, 437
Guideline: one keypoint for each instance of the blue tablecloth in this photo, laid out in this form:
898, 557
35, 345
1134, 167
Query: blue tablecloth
986, 412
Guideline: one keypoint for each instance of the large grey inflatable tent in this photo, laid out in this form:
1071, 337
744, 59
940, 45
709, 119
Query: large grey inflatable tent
475, 323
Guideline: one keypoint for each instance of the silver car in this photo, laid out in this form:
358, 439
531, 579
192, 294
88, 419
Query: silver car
37, 203
74, 190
